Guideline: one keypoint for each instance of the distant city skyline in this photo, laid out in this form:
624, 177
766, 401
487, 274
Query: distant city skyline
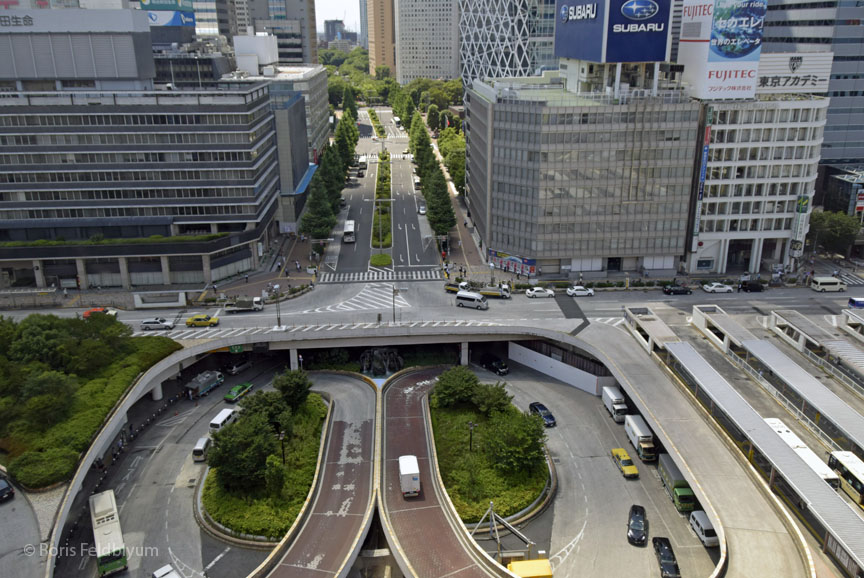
346, 10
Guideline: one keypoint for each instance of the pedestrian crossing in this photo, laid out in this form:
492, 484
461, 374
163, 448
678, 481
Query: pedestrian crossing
376, 274
372, 296
851, 279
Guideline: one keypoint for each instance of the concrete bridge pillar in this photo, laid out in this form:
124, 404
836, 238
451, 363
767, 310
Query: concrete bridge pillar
294, 361
464, 353
156, 392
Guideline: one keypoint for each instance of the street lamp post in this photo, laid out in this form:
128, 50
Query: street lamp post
471, 426
395, 292
491, 274
278, 310
282, 441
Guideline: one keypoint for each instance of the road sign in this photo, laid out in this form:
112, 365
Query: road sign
235, 349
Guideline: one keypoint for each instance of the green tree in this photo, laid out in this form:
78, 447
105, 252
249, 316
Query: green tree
455, 386
345, 144
240, 452
318, 219
270, 405
455, 162
489, 398
335, 90
51, 383
349, 103
294, 385
835, 231
44, 411
432, 117
515, 443
329, 57
274, 476
382, 72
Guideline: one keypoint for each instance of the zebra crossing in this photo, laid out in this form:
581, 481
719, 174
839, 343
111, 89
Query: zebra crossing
851, 279
376, 274
372, 296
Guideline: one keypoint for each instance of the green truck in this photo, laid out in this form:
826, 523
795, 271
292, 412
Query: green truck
676, 486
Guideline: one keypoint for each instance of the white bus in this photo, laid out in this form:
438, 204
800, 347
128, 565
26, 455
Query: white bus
804, 452
850, 468
107, 535
348, 233
362, 163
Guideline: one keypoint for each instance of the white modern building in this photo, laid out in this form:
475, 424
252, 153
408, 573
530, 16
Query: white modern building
427, 39
505, 38
363, 40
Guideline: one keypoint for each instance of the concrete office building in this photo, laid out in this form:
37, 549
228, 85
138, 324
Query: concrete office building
505, 38
214, 18
246, 12
363, 39
382, 35
579, 183
427, 39
292, 22
800, 26
150, 187
190, 69
333, 29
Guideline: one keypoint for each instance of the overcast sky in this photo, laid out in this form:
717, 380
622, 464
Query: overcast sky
347, 10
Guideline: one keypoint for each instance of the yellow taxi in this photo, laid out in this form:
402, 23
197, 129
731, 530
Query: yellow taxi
624, 463
202, 320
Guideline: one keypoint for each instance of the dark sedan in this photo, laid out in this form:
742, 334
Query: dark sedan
637, 526
666, 558
7, 492
537, 408
677, 290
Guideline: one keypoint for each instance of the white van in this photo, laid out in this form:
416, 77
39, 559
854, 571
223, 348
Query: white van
704, 529
222, 419
409, 476
202, 446
471, 299
823, 284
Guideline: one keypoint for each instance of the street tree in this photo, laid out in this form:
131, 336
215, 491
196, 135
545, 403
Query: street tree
382, 72
240, 452
514, 443
349, 103
432, 117
269, 404
455, 387
318, 220
294, 385
835, 231
490, 398
274, 476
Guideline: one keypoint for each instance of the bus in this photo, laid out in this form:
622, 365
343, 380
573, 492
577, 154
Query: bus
361, 163
813, 461
397, 121
107, 536
850, 468
348, 233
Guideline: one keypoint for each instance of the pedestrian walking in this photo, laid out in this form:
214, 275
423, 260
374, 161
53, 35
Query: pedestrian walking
465, 223
739, 287
297, 263
246, 277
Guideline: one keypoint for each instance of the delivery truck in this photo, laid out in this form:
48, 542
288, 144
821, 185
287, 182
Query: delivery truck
676, 486
613, 399
409, 476
201, 384
640, 437
502, 292
245, 304
456, 287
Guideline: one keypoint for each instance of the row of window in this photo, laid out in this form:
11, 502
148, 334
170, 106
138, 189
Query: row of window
137, 138
594, 155
628, 118
237, 193
739, 225
612, 138
767, 135
126, 119
774, 171
216, 175
748, 207
128, 158
607, 246
610, 174
621, 230
756, 190
108, 212
769, 116
733, 154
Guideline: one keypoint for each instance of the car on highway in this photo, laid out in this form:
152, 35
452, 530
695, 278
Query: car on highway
637, 526
421, 208
156, 323
677, 290
579, 291
202, 320
752, 286
624, 463
7, 492
716, 288
238, 391
537, 408
238, 367
103, 310
539, 292
666, 558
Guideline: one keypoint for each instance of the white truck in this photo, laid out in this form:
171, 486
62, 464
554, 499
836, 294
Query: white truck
409, 476
613, 399
641, 437
245, 304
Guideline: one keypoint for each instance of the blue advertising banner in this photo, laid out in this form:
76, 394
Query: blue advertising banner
168, 18
579, 29
638, 30
181, 5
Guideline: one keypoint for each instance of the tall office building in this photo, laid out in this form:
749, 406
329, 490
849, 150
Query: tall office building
214, 18
363, 40
382, 35
292, 22
505, 38
246, 12
802, 26
333, 29
133, 185
427, 39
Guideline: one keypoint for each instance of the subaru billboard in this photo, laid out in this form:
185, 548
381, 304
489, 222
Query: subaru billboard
579, 29
638, 31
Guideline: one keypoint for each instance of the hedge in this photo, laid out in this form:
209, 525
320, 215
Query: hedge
52, 456
381, 260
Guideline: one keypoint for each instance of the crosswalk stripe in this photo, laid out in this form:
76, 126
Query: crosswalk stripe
380, 275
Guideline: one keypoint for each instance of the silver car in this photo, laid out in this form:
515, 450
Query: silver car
156, 323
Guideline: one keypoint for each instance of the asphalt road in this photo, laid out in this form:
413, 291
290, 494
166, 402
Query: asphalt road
21, 532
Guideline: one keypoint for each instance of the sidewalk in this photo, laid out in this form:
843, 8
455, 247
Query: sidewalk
279, 268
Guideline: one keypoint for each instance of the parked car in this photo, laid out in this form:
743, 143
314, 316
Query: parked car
539, 292
494, 364
537, 408
156, 323
637, 526
103, 310
238, 391
752, 286
716, 288
579, 291
202, 320
677, 290
7, 492
666, 558
624, 463
421, 208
